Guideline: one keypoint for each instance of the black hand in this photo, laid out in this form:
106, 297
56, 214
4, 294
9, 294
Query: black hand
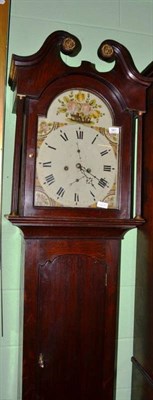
79, 151
83, 170
88, 170
77, 180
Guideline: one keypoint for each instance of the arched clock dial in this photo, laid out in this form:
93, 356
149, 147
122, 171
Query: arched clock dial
77, 167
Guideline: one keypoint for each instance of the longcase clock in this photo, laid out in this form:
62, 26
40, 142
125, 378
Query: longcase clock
77, 156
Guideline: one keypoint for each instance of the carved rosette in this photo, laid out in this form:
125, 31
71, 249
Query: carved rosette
107, 51
68, 44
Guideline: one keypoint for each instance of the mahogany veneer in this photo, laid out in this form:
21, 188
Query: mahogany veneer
72, 255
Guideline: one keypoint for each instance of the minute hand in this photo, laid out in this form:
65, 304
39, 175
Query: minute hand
85, 171
102, 181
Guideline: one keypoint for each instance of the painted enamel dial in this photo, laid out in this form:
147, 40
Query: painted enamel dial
77, 167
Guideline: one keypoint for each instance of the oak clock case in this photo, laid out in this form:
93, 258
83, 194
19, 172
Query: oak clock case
73, 199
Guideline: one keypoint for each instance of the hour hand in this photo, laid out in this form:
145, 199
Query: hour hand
79, 166
84, 171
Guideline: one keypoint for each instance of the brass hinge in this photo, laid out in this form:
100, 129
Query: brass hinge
21, 96
41, 361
